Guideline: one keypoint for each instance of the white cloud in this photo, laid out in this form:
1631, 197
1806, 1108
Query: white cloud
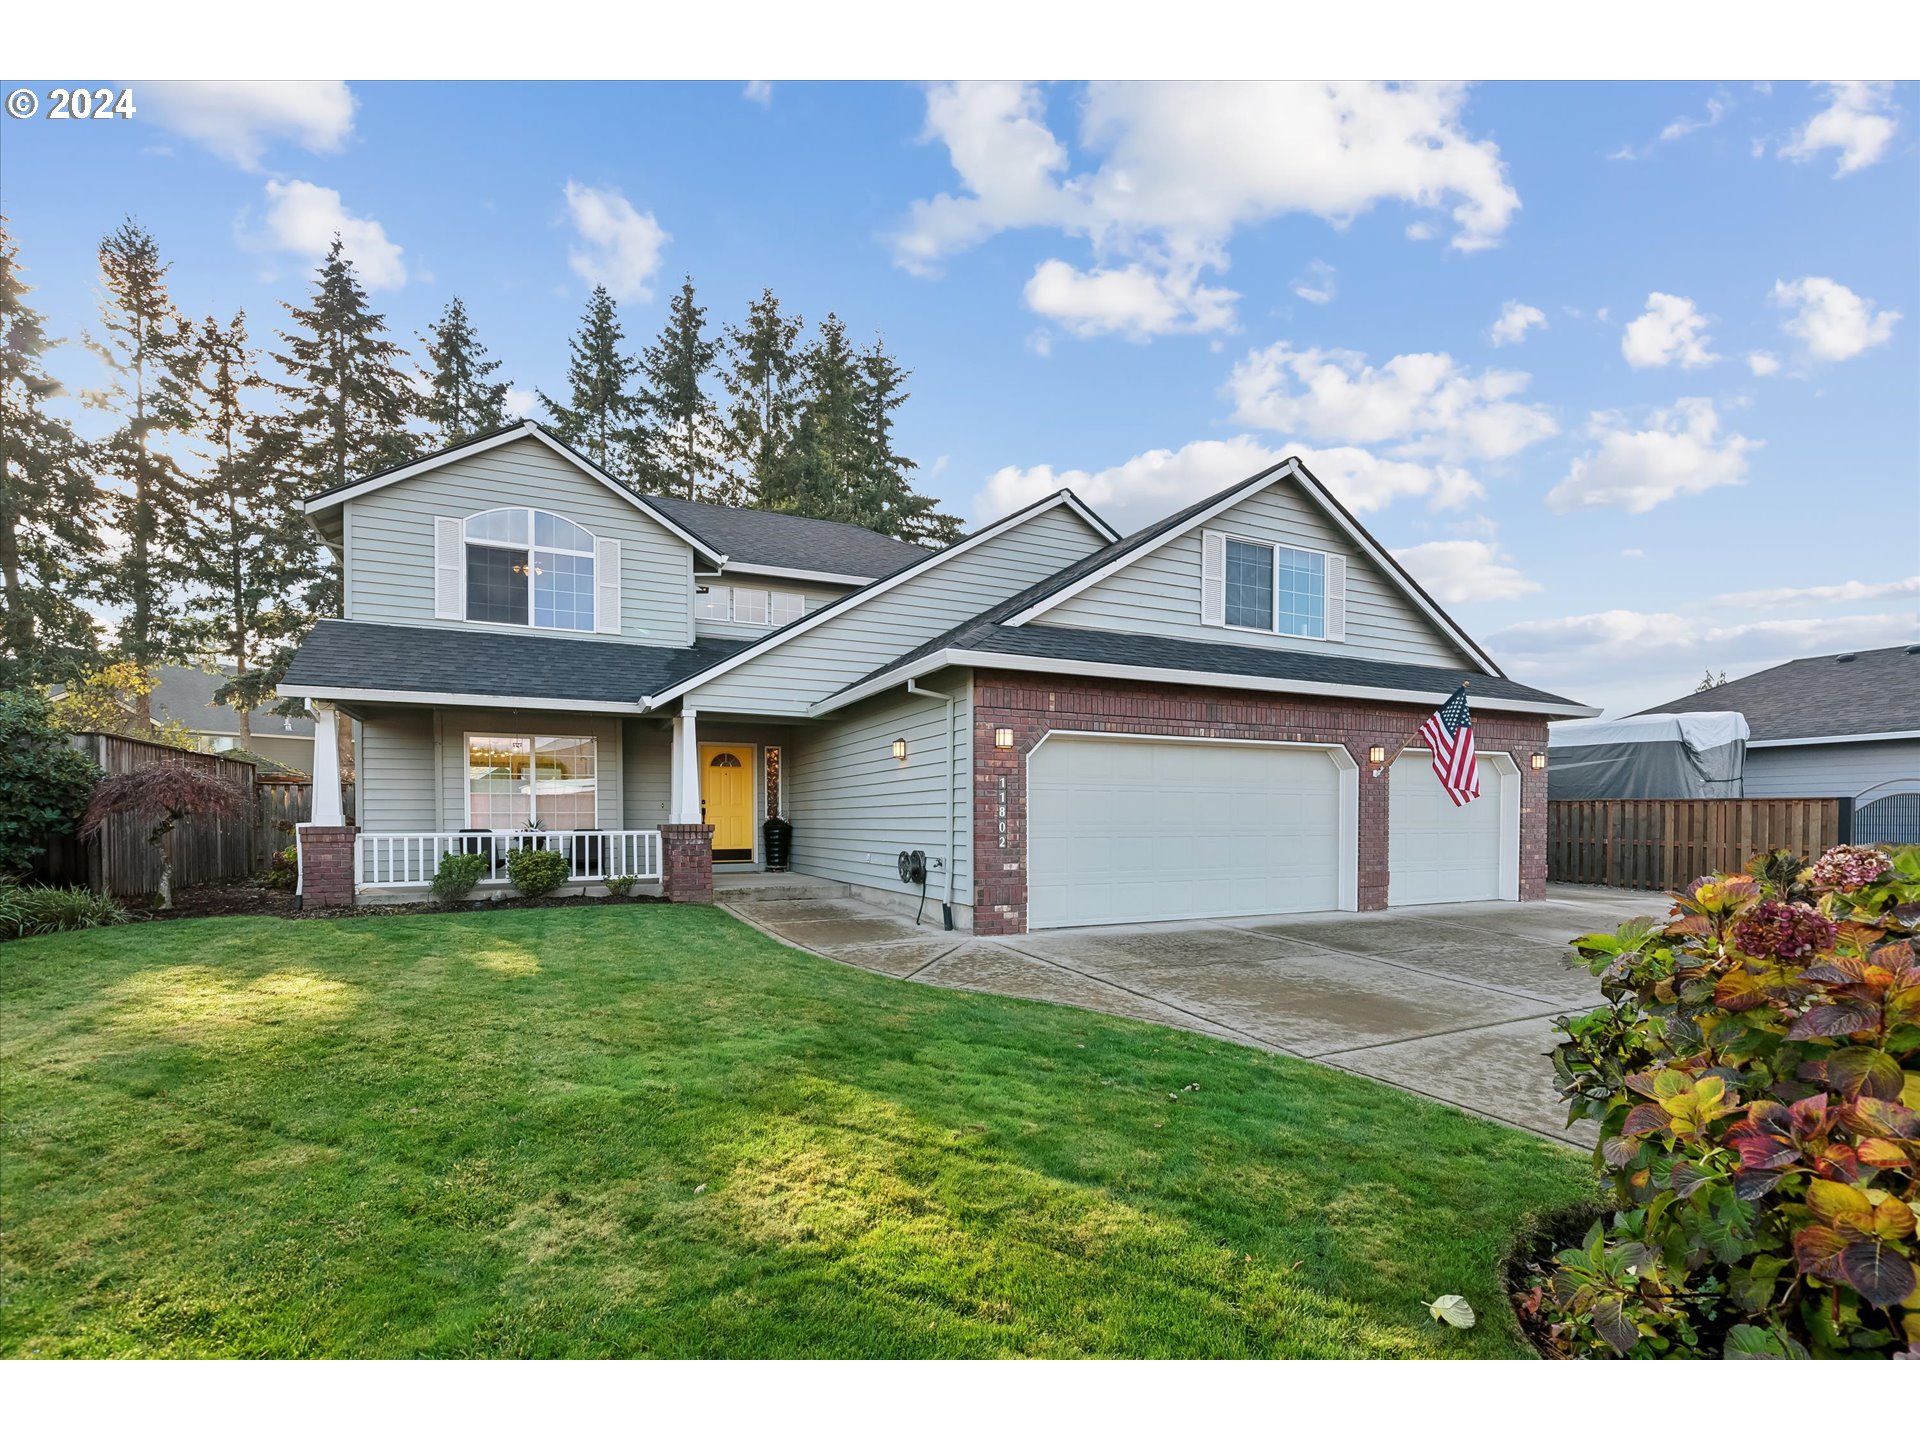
621, 246
1133, 301
1174, 169
760, 92
1420, 230
1830, 321
1514, 322
1317, 286
1670, 332
303, 218
1763, 362
1142, 489
1684, 125
238, 119
1859, 122
1428, 403
1460, 572
521, 403
1848, 592
1680, 453
1633, 553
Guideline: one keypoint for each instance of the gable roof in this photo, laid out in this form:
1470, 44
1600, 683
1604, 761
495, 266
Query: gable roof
798, 546
1097, 567
185, 693
493, 440
841, 605
1868, 694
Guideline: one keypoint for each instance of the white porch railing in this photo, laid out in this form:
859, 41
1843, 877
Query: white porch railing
410, 858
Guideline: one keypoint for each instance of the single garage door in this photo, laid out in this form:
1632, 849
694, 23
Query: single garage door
1130, 830
1438, 851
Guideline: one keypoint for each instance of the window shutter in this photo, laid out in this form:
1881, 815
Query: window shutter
606, 575
1336, 597
1213, 578
448, 548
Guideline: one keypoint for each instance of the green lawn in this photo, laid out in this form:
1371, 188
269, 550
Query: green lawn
486, 1134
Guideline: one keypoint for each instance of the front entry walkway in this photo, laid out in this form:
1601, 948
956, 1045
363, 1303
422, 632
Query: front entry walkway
1455, 1002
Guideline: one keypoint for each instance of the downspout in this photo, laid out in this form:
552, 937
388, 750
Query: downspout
914, 688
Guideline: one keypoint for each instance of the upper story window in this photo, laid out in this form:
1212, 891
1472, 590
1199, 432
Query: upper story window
1278, 589
745, 606
529, 567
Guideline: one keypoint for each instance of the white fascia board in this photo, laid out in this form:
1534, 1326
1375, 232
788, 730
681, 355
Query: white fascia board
1835, 739
525, 431
781, 572
463, 700
1086, 513
847, 603
993, 660
1314, 492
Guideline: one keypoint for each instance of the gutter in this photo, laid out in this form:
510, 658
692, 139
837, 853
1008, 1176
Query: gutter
952, 761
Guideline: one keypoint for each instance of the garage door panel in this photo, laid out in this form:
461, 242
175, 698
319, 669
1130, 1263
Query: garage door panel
1439, 852
1143, 830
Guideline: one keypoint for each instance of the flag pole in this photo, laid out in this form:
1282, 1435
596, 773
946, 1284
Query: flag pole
1379, 770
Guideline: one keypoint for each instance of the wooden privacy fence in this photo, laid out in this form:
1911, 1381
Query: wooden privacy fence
1662, 844
283, 804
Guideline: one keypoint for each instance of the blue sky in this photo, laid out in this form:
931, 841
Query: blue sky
1691, 443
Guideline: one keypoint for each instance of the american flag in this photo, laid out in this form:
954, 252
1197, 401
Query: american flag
1449, 734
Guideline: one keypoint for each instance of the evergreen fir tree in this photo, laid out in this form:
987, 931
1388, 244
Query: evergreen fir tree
462, 397
149, 349
763, 376
822, 476
249, 553
49, 508
891, 504
684, 449
602, 419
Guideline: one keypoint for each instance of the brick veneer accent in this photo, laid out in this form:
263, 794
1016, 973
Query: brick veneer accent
686, 863
326, 864
1032, 706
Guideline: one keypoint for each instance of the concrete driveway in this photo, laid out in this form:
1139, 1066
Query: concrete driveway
1455, 1002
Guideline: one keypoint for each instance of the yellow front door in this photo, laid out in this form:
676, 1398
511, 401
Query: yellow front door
726, 794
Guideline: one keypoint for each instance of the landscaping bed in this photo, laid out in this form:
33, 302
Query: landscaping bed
594, 1129
200, 902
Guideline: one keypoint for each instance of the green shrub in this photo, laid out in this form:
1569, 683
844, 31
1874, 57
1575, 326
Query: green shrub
284, 870
1756, 1076
457, 876
44, 781
48, 909
536, 872
619, 886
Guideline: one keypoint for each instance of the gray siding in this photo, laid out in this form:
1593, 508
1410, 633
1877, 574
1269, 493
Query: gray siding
729, 630
1159, 594
646, 755
394, 783
389, 564
842, 648
855, 808
1818, 770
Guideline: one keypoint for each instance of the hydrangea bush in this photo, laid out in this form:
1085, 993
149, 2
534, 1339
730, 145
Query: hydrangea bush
1755, 1072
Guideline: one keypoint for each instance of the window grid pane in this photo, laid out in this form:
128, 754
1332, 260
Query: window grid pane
496, 585
506, 526
562, 591
784, 606
497, 766
715, 604
750, 607
563, 782
1303, 589
1249, 585
556, 533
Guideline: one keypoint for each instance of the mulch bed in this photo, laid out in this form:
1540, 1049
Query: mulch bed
199, 902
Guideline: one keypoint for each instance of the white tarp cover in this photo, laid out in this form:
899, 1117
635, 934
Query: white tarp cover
1697, 755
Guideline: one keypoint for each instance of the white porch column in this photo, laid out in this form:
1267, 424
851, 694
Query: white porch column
327, 806
686, 770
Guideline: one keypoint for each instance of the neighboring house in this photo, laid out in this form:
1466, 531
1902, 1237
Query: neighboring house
185, 694
1845, 725
1074, 728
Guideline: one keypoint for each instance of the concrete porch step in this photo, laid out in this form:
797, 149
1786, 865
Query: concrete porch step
753, 887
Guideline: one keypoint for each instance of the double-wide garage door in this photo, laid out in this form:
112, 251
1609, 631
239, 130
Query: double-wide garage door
1132, 830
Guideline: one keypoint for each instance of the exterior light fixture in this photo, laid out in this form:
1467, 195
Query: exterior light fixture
1377, 755
1003, 739
1539, 761
899, 749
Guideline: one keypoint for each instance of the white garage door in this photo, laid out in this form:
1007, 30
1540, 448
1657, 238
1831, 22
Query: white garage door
1128, 830
1438, 851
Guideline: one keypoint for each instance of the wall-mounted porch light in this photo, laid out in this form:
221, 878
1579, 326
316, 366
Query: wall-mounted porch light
1003, 738
1377, 755
900, 749
1539, 761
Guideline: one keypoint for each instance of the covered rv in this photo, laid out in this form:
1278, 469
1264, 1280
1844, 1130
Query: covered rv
1697, 755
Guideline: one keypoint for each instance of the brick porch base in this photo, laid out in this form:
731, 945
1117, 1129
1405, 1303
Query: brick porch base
686, 863
326, 864
1032, 706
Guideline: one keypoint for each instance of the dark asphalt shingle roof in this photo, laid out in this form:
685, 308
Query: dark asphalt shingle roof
1032, 646
789, 542
1874, 693
184, 693
356, 655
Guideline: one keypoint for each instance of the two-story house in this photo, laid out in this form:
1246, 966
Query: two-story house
1204, 718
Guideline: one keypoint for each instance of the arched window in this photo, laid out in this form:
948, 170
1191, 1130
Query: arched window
529, 567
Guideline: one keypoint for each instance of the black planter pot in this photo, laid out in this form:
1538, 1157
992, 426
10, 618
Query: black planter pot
776, 842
